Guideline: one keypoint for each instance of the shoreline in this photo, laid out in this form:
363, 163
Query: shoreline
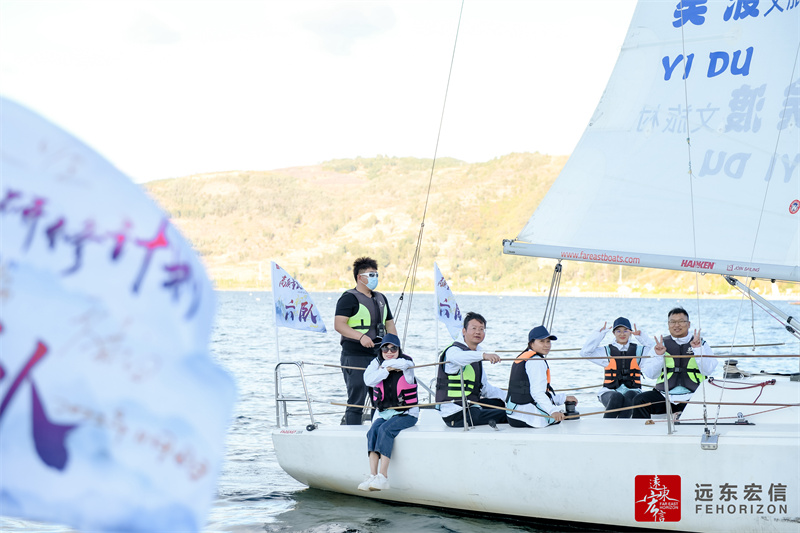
571, 294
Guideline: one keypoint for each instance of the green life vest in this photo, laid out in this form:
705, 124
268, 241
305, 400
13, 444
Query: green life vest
448, 386
681, 372
371, 312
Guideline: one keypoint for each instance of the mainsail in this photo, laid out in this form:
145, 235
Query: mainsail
691, 160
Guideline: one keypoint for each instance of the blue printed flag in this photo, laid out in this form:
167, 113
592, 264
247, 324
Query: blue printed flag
294, 308
447, 310
112, 414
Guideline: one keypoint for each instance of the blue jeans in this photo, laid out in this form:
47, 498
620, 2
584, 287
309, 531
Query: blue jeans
380, 437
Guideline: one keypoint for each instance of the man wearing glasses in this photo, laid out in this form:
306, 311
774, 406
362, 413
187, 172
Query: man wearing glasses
462, 362
684, 374
362, 319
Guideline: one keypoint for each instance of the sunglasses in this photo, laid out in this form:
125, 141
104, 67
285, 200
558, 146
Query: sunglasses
388, 348
369, 274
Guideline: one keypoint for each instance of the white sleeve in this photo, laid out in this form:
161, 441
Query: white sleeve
707, 364
592, 348
490, 391
537, 375
399, 364
645, 342
456, 359
651, 364
374, 374
559, 398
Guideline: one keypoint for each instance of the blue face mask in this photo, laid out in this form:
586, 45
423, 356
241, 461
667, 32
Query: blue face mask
372, 282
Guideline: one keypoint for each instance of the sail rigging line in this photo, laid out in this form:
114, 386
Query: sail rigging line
728, 346
774, 153
735, 329
689, 157
761, 214
691, 194
412, 271
552, 298
775, 407
764, 202
752, 318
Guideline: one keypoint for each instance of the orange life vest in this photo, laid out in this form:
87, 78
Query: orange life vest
622, 371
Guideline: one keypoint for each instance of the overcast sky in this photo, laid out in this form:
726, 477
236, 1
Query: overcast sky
176, 87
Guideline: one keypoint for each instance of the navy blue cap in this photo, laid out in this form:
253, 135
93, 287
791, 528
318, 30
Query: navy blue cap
390, 338
622, 321
540, 332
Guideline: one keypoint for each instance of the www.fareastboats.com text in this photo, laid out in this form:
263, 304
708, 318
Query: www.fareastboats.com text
608, 258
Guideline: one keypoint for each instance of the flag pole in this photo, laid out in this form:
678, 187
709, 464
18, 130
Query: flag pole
277, 344
436, 320
278, 390
275, 311
278, 381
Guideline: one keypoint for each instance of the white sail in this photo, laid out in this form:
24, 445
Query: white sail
627, 196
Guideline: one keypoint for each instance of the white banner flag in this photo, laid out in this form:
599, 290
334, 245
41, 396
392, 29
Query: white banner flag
113, 416
294, 308
447, 308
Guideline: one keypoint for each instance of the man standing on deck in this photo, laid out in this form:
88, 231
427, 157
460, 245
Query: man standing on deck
362, 318
464, 362
684, 374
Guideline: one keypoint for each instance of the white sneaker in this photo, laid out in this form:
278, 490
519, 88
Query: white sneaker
379, 483
364, 485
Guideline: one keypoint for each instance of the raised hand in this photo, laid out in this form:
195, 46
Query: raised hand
696, 341
659, 348
605, 324
636, 331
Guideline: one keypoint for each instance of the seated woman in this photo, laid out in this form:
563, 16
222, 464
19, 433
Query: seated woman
623, 377
391, 375
529, 389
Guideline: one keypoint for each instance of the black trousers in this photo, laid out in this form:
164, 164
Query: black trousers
356, 389
615, 400
479, 416
659, 406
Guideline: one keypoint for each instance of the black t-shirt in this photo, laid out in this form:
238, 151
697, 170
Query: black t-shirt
348, 306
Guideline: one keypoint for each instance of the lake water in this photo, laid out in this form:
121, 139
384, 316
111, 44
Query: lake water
255, 495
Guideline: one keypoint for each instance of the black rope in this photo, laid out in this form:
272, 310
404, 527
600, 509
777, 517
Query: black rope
412, 271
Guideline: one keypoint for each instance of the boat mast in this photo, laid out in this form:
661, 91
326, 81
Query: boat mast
791, 323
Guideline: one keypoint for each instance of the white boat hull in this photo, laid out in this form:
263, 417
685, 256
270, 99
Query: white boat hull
582, 470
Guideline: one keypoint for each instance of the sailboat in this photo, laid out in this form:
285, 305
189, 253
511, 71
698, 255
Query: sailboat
698, 131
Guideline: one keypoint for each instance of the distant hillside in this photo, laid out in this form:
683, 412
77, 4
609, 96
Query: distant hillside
314, 221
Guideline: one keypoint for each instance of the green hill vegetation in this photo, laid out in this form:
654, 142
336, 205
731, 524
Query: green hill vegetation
315, 220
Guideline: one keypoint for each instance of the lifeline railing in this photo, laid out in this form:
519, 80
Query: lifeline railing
282, 411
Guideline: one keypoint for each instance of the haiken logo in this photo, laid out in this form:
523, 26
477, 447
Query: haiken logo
658, 499
705, 265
